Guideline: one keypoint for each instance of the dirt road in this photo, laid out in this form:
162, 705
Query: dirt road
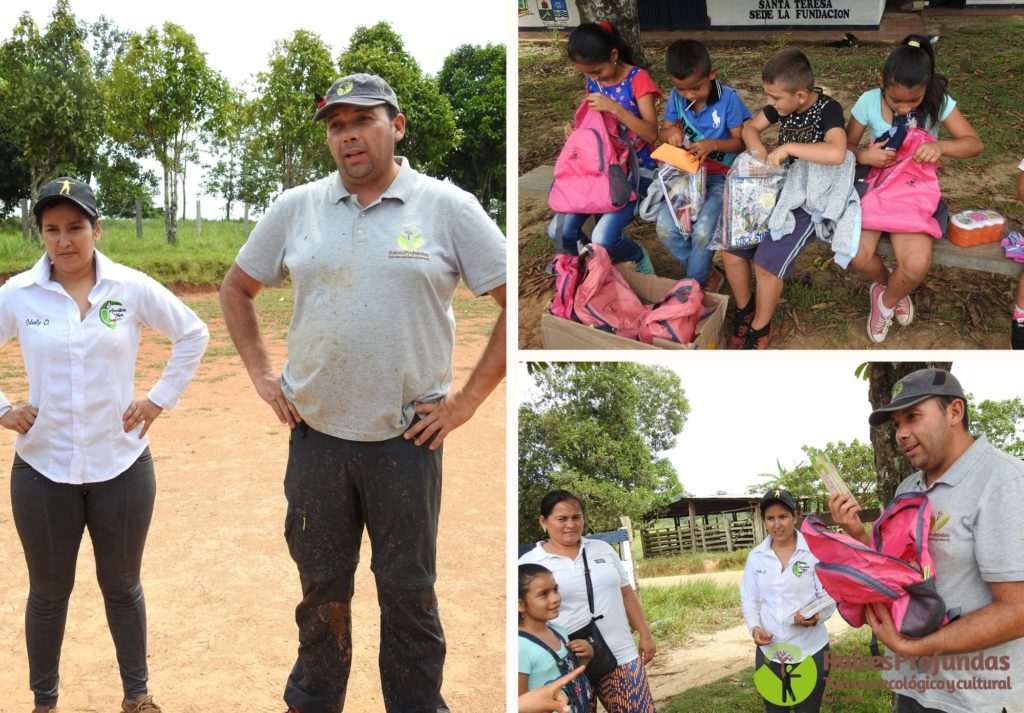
220, 586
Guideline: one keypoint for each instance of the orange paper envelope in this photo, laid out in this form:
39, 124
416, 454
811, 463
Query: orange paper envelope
680, 158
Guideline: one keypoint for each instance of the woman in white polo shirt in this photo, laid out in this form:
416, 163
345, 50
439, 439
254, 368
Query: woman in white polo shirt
82, 456
779, 581
567, 554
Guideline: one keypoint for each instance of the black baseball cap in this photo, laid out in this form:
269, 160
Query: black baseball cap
777, 497
916, 387
66, 188
360, 89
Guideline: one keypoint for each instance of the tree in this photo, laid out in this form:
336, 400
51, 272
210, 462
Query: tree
121, 182
53, 110
624, 14
598, 432
159, 93
854, 461
430, 131
890, 464
14, 180
285, 147
1001, 422
473, 81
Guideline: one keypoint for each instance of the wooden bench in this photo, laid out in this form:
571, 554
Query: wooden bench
980, 258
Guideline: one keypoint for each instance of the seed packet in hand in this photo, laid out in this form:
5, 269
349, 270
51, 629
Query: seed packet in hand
814, 606
834, 483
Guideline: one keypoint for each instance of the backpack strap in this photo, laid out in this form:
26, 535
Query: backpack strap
530, 637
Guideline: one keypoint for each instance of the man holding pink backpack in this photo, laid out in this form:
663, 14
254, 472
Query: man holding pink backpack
974, 663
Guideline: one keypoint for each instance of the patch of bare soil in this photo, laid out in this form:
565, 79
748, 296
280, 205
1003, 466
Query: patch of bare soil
220, 586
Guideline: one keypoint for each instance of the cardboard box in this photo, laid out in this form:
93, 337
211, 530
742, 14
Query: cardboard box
558, 333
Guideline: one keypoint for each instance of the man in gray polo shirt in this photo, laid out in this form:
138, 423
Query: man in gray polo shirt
975, 664
375, 252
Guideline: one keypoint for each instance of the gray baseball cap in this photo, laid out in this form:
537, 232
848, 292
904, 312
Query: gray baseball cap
916, 387
360, 89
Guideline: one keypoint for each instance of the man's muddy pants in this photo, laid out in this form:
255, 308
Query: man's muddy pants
334, 488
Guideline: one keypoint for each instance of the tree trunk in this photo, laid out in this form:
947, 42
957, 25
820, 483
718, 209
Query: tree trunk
621, 13
890, 464
184, 202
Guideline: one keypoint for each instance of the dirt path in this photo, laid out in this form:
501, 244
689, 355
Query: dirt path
220, 586
729, 577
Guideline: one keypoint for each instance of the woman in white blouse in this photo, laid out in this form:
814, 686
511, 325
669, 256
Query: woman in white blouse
81, 455
569, 557
778, 582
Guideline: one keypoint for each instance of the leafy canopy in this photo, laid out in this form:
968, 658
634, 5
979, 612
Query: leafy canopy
598, 430
473, 80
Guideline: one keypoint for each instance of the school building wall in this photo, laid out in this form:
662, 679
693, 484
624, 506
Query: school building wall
719, 14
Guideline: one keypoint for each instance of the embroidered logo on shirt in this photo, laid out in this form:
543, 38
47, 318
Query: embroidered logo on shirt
598, 560
800, 567
36, 322
715, 118
113, 313
939, 520
409, 240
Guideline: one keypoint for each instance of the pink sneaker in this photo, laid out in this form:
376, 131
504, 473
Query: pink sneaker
904, 313
878, 324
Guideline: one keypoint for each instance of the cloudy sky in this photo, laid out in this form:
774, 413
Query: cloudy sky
745, 415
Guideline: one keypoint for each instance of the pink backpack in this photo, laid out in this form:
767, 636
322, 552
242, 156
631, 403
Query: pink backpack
903, 197
676, 316
897, 571
589, 177
567, 278
604, 299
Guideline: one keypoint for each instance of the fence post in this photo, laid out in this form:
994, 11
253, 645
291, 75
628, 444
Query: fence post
138, 219
245, 221
626, 552
199, 220
693, 526
26, 225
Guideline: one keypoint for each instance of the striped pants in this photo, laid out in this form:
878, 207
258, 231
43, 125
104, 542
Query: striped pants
625, 690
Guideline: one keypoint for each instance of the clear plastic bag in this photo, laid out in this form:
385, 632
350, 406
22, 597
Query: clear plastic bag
751, 189
684, 192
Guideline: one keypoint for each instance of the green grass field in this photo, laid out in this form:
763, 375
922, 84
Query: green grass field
691, 563
193, 261
700, 607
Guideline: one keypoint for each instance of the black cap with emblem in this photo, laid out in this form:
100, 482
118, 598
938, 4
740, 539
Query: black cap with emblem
66, 188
